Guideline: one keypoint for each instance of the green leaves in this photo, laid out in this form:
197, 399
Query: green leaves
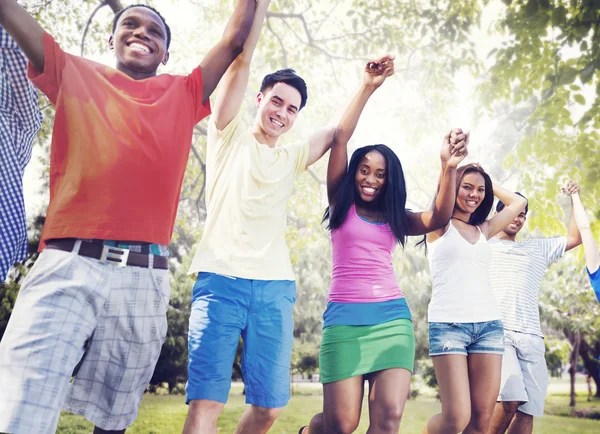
559, 15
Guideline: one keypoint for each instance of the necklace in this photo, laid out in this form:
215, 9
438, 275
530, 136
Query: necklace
456, 218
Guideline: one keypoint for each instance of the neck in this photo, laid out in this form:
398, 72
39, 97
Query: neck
263, 138
504, 236
461, 215
135, 74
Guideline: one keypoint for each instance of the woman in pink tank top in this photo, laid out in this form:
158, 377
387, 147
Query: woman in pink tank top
367, 331
466, 335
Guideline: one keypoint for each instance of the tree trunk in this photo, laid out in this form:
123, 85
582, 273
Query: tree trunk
589, 356
238, 369
115, 5
573, 369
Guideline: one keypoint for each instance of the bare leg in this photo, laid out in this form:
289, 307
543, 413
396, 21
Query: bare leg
484, 376
503, 414
202, 417
257, 420
388, 391
452, 374
342, 403
521, 424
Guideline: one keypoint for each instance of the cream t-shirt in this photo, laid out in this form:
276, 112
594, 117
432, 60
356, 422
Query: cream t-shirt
248, 185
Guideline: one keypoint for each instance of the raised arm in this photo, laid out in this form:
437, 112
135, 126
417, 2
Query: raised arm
514, 205
221, 56
454, 150
592, 257
375, 74
26, 31
573, 233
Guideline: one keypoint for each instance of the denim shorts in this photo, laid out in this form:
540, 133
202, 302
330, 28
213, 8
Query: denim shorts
466, 338
260, 311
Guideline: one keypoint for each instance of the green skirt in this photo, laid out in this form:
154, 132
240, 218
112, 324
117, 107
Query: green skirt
350, 351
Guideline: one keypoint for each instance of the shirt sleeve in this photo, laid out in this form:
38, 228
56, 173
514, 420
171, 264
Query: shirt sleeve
196, 88
50, 79
595, 281
299, 153
552, 248
18, 97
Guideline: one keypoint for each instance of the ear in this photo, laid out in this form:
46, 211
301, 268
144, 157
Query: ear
165, 58
259, 98
111, 42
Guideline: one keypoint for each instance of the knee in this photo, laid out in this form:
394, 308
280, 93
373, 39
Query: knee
387, 418
456, 421
202, 415
510, 407
341, 424
266, 416
480, 420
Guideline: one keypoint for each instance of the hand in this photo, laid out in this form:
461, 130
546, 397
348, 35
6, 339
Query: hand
377, 71
455, 147
570, 188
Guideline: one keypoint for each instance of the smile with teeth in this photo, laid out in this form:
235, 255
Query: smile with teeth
276, 123
136, 46
472, 202
369, 191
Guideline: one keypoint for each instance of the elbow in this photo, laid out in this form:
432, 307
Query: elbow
235, 42
521, 203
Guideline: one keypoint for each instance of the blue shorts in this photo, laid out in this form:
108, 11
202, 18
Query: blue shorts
466, 338
260, 311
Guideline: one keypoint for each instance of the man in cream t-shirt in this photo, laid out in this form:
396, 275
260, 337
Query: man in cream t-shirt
516, 274
245, 285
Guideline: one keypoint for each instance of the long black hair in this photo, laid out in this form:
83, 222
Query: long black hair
483, 210
392, 200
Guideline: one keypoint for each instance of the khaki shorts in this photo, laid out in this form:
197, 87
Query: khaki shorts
524, 372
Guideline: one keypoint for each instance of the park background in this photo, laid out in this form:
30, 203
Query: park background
522, 76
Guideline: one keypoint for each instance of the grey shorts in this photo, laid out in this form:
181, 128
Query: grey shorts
68, 300
524, 372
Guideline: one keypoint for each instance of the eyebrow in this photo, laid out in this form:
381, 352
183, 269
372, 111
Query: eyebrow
282, 101
137, 18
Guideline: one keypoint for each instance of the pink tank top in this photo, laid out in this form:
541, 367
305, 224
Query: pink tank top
362, 262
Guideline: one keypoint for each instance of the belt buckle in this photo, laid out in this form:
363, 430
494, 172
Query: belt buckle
114, 255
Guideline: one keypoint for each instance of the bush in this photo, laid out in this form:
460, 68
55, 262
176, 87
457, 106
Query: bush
179, 389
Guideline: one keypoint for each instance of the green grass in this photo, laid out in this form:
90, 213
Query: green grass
166, 414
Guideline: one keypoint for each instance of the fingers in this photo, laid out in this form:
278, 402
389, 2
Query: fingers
570, 188
383, 65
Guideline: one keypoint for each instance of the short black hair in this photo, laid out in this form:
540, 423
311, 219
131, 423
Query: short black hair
287, 76
500, 204
118, 15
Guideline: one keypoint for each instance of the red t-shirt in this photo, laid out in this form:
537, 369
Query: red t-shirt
119, 148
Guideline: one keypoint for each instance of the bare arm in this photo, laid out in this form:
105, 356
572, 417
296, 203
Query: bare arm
221, 56
375, 74
233, 86
454, 150
514, 205
573, 235
592, 257
26, 31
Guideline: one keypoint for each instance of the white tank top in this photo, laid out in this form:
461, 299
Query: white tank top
460, 279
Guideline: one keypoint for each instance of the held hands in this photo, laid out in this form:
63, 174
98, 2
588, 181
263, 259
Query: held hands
377, 71
569, 188
454, 148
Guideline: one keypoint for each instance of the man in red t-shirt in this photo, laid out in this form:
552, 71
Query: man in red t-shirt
120, 145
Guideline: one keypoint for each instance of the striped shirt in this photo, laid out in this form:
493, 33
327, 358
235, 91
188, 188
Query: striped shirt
516, 274
20, 120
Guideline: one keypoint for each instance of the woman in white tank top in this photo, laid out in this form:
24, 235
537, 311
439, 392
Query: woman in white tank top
466, 337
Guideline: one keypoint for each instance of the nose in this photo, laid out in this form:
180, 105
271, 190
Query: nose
140, 32
371, 180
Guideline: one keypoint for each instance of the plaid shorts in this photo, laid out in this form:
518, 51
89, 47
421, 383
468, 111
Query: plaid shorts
67, 303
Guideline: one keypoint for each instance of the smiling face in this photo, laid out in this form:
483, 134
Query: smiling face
371, 176
471, 192
140, 42
278, 109
516, 225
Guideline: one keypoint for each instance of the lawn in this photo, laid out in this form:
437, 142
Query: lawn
166, 414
